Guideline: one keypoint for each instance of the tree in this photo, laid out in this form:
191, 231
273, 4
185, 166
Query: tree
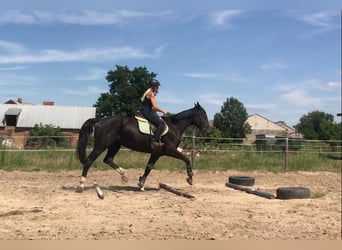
231, 121
44, 136
318, 125
125, 89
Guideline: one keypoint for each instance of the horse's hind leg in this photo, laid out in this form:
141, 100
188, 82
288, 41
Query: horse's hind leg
92, 157
112, 151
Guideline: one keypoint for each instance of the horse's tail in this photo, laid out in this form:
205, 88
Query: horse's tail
86, 130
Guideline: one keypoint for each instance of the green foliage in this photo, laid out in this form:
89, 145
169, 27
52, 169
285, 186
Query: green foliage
231, 121
46, 136
125, 89
319, 125
236, 159
215, 133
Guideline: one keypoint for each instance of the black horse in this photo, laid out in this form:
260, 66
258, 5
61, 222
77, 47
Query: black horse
114, 132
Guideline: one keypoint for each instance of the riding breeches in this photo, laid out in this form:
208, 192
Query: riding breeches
155, 120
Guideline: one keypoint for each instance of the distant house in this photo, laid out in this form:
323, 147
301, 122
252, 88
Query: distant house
18, 101
18, 118
261, 126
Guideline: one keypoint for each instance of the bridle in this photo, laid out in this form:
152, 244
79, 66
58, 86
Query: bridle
198, 113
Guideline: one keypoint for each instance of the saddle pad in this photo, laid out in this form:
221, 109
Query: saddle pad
144, 126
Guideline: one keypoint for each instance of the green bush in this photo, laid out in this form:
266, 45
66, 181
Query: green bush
46, 136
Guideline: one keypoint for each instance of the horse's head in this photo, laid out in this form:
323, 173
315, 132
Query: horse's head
201, 119
195, 116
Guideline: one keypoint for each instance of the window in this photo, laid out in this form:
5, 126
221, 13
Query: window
11, 116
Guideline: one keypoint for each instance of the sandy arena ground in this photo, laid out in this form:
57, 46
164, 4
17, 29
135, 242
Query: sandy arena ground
42, 205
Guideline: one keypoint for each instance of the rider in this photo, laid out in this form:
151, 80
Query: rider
148, 104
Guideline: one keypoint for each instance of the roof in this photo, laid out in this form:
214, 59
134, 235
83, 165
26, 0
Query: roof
13, 111
64, 117
287, 127
257, 121
18, 101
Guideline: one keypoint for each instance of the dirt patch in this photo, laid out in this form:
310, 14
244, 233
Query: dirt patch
42, 205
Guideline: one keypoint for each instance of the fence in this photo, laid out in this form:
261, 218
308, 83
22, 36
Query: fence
281, 149
285, 146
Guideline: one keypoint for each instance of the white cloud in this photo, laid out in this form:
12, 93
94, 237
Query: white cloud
169, 98
13, 68
84, 55
91, 90
222, 17
259, 108
92, 74
213, 98
81, 17
273, 65
309, 85
334, 85
6, 46
300, 98
323, 21
320, 19
14, 80
201, 75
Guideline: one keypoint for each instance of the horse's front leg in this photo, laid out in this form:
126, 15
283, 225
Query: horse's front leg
190, 174
176, 154
150, 165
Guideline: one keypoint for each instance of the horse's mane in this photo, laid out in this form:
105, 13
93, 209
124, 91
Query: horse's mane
175, 118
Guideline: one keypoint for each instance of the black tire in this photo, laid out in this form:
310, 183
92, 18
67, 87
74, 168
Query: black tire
286, 193
242, 180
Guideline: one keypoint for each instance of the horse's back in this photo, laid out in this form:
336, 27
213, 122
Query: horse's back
117, 123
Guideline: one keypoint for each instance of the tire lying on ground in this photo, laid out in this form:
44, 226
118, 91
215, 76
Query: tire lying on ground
242, 180
286, 193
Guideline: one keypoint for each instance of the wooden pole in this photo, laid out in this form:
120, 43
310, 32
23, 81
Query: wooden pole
251, 191
176, 191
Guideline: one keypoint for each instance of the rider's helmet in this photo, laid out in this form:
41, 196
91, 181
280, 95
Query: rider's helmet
154, 82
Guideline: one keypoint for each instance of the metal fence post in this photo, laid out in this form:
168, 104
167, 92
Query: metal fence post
286, 163
193, 151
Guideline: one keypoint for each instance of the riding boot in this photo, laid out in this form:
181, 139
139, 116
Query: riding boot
156, 143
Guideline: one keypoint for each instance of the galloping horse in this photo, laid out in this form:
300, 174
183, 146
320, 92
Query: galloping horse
114, 132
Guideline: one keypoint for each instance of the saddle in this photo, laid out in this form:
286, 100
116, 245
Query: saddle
148, 128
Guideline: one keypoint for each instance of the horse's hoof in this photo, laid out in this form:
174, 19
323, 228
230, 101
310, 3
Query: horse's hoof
142, 189
124, 178
141, 181
79, 189
189, 180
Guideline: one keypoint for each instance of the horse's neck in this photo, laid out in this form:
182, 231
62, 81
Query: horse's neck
182, 126
183, 120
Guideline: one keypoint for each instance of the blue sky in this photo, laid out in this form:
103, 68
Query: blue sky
279, 62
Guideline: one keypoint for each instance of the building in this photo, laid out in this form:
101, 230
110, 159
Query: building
263, 127
18, 118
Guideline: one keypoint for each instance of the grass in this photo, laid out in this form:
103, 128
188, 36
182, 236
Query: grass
237, 160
